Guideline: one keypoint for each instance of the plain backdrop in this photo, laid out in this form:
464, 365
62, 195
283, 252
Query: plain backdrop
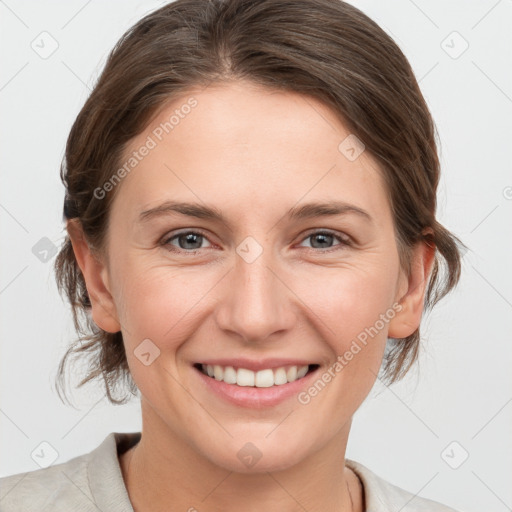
445, 431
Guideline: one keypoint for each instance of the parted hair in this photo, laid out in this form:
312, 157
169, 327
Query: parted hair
327, 49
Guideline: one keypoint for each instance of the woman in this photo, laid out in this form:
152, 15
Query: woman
288, 142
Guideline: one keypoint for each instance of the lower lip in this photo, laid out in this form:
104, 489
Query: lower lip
253, 397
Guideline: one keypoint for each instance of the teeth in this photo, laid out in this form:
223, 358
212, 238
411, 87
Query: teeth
302, 371
291, 374
244, 377
229, 375
261, 379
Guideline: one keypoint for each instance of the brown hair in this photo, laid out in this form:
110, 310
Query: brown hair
327, 49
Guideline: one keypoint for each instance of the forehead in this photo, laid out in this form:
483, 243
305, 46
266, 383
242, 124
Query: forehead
239, 144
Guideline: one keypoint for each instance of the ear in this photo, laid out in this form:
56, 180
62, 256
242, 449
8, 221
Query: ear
95, 275
411, 294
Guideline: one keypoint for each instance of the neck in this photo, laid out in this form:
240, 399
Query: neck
164, 471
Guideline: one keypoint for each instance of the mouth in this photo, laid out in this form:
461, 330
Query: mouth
266, 378
266, 386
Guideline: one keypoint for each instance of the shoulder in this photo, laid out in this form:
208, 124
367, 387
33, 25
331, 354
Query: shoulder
81, 483
382, 496
37, 489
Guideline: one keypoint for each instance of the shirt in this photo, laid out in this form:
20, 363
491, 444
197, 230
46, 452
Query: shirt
93, 482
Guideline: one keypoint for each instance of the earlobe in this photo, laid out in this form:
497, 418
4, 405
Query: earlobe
95, 275
412, 302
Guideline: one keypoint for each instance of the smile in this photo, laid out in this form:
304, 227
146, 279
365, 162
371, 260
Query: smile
260, 379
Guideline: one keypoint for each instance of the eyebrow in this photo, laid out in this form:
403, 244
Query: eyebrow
200, 211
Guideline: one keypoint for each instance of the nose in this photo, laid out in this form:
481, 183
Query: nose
257, 299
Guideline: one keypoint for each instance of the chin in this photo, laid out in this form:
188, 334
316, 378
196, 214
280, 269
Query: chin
255, 454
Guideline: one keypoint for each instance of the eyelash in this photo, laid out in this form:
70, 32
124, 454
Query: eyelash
344, 240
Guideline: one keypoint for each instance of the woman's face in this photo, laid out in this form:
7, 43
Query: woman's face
269, 282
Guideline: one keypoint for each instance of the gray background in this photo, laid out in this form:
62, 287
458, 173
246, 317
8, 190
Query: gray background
457, 403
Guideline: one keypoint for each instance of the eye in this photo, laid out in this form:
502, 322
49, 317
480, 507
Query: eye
187, 241
192, 241
323, 239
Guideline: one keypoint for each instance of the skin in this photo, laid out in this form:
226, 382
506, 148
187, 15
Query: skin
253, 153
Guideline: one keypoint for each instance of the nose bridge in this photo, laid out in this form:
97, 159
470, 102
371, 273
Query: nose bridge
255, 303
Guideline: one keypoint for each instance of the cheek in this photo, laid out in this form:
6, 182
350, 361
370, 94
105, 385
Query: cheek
160, 303
348, 300
163, 305
163, 302
354, 308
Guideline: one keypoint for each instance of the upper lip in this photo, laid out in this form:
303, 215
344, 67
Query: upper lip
260, 364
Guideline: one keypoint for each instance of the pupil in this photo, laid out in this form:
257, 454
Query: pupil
190, 238
194, 238
322, 238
